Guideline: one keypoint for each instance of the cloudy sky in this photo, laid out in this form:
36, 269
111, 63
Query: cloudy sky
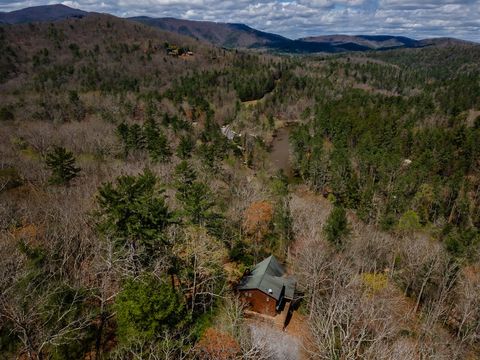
298, 18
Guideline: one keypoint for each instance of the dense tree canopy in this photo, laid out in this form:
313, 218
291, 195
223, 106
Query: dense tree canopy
378, 219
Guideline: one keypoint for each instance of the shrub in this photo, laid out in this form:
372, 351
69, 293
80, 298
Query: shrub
9, 178
409, 221
6, 114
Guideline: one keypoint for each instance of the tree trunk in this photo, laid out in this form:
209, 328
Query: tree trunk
98, 340
194, 282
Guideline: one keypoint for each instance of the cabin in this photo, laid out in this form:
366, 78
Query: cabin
266, 288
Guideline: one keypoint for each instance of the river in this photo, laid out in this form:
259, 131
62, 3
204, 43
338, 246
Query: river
281, 151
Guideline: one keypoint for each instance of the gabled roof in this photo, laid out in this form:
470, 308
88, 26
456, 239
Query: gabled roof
269, 277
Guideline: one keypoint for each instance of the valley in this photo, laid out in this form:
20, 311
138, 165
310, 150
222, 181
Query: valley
139, 186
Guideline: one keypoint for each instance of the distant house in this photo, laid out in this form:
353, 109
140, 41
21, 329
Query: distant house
228, 132
266, 288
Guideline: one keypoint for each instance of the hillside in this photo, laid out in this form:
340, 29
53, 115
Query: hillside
446, 42
219, 34
105, 53
143, 172
41, 14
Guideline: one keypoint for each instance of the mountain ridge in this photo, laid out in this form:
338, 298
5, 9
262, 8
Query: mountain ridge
42, 13
217, 33
238, 35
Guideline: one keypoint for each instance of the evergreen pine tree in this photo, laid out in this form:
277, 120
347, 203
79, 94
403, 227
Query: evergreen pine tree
195, 196
156, 141
133, 213
122, 132
336, 228
135, 138
198, 202
166, 120
185, 174
62, 164
146, 307
185, 147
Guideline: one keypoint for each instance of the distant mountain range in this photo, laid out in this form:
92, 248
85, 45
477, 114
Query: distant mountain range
240, 36
366, 41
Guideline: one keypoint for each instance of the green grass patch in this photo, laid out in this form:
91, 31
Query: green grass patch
31, 153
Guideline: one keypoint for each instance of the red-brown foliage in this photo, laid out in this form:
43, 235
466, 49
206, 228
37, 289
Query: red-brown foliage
217, 345
257, 218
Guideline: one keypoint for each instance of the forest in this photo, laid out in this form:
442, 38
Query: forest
127, 216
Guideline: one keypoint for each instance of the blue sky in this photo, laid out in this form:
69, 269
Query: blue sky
299, 18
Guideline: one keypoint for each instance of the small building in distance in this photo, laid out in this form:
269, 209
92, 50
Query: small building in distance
266, 287
229, 133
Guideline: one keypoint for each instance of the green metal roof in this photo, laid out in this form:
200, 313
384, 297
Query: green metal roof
269, 277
